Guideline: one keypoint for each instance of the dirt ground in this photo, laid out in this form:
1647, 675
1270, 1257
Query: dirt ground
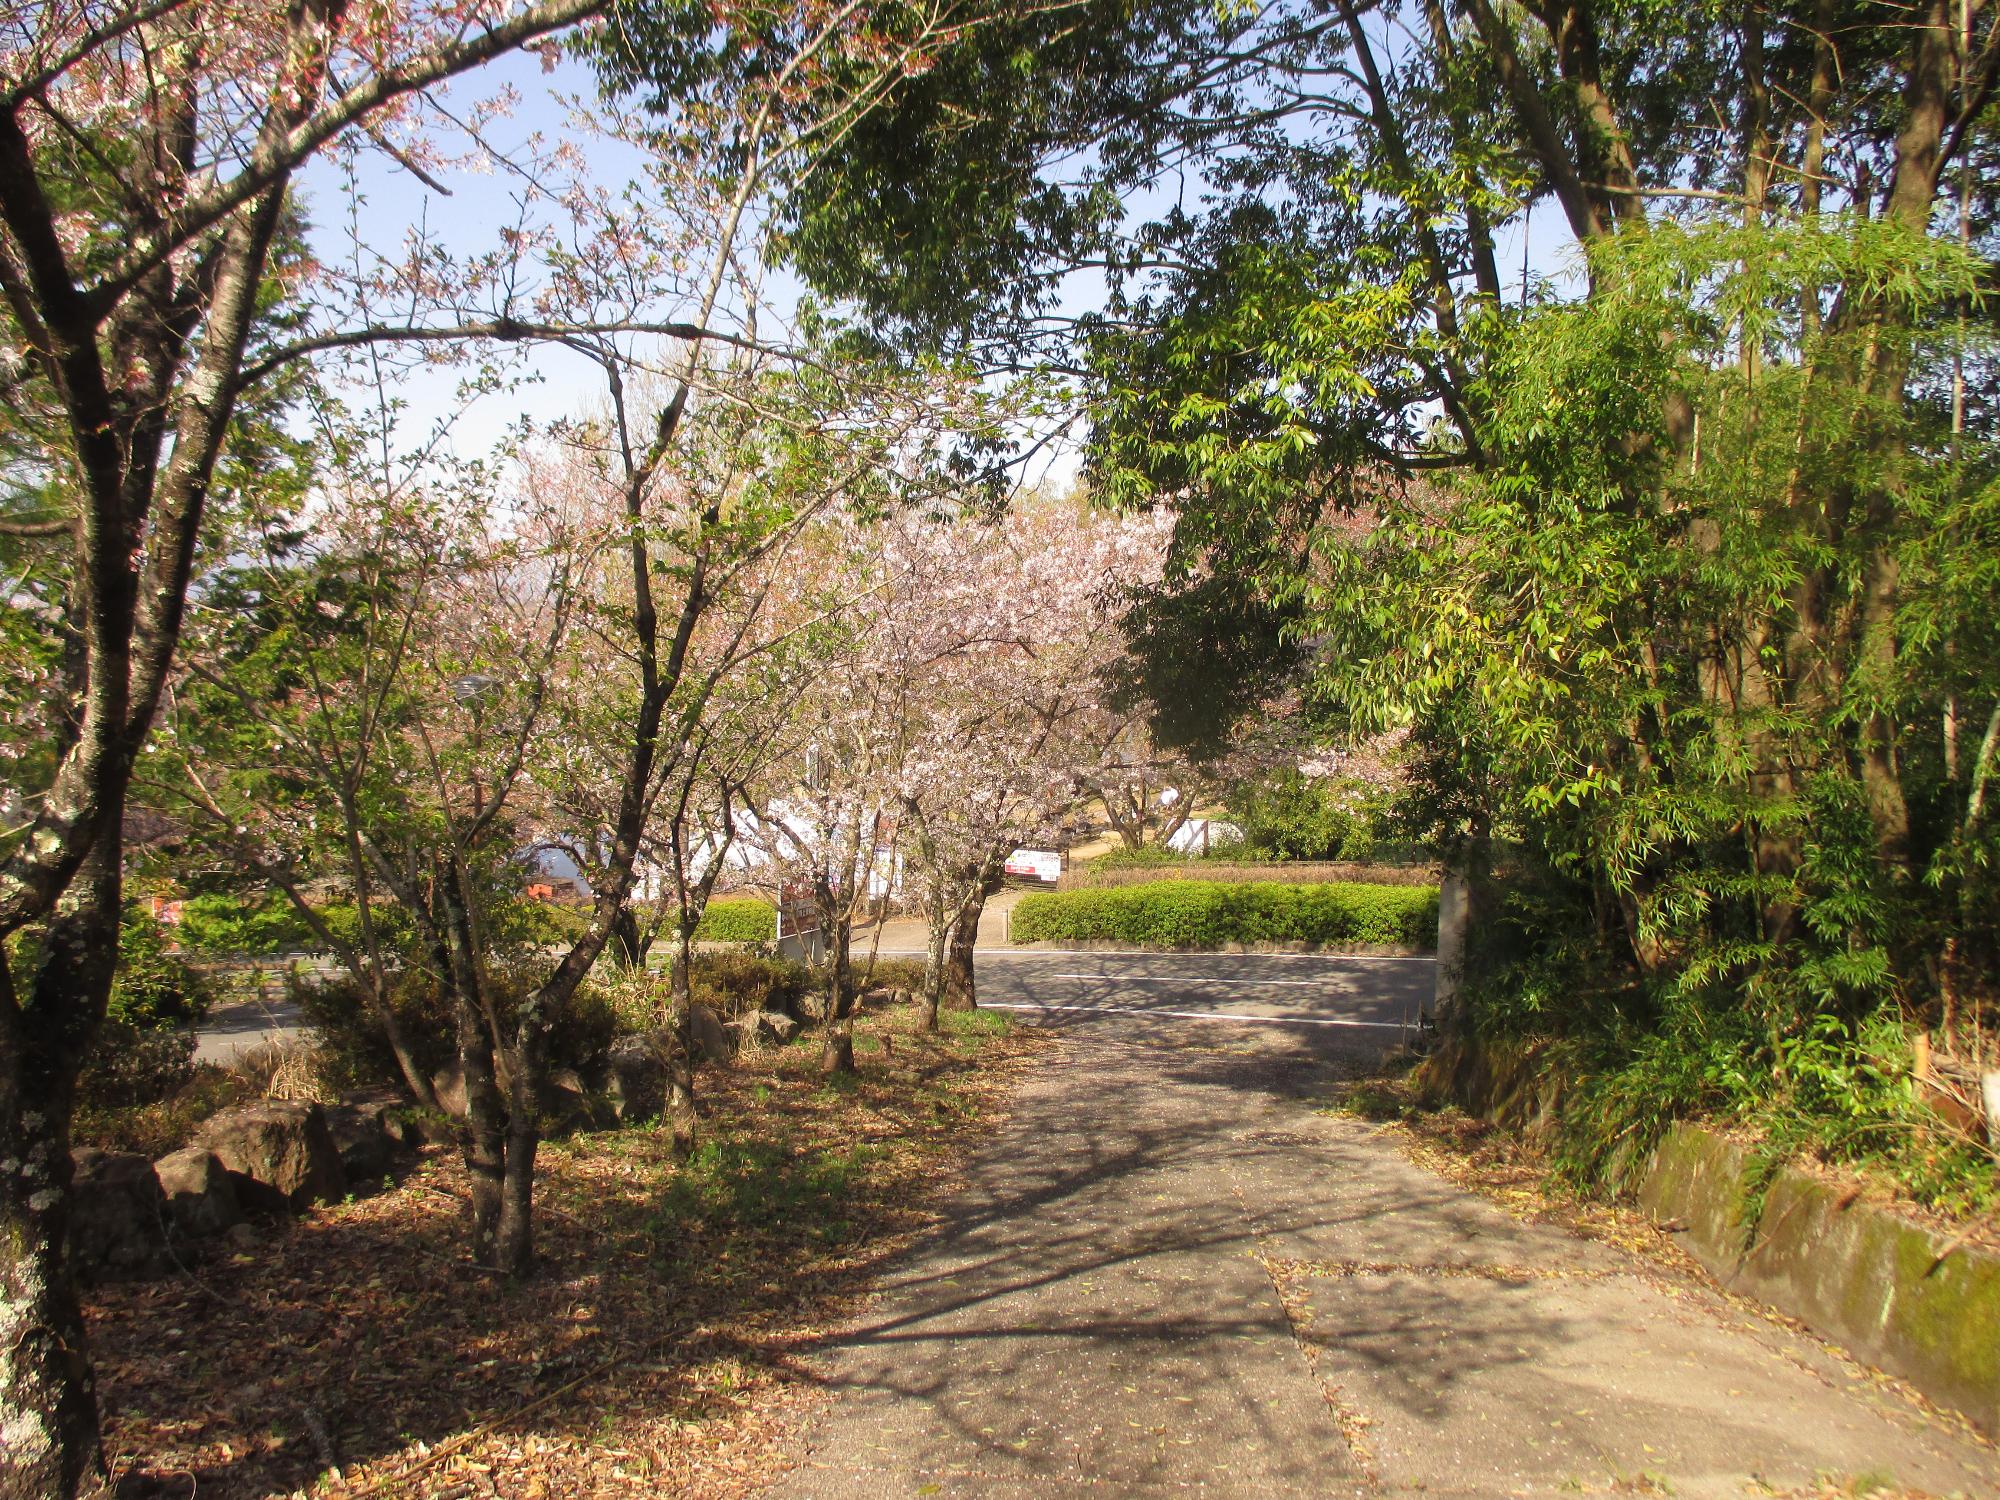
356, 1351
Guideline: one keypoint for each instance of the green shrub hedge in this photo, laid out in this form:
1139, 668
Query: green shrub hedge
737, 919
217, 922
1208, 914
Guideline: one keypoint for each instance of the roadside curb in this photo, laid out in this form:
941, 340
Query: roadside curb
1895, 1292
1898, 1294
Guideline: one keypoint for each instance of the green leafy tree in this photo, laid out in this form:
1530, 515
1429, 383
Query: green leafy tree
1665, 569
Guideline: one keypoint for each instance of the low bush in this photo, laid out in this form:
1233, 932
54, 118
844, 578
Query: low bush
143, 1052
1145, 857
733, 983
154, 988
1235, 871
157, 1126
218, 922
737, 919
354, 1052
890, 973
133, 1065
1209, 914
536, 924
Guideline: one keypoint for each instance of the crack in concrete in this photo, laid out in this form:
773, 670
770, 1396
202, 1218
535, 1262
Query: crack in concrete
1326, 1269
1349, 1418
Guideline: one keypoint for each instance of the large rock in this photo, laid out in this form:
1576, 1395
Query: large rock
118, 1222
635, 1076
199, 1193
449, 1084
367, 1150
713, 1042
774, 1026
282, 1153
569, 1103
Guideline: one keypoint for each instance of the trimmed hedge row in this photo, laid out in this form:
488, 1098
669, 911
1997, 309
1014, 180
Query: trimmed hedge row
1094, 873
1209, 914
737, 919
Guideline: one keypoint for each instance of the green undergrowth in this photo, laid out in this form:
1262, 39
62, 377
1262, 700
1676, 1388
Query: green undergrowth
976, 1023
743, 1181
1800, 1050
1840, 1092
1210, 914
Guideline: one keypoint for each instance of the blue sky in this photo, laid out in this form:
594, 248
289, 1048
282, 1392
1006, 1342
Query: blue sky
479, 206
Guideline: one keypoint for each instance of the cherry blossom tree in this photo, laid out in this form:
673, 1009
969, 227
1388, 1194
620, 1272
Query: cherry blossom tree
354, 708
961, 717
822, 815
157, 285
147, 157
1009, 704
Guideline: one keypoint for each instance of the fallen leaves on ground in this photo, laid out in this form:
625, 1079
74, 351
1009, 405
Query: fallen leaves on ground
1509, 1169
1500, 1165
659, 1349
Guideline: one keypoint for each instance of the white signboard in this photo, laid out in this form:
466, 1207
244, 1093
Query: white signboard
1036, 864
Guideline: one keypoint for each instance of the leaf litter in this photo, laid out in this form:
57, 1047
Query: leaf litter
663, 1347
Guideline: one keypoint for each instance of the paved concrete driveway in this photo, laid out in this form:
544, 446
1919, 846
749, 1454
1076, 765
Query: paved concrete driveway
1168, 1272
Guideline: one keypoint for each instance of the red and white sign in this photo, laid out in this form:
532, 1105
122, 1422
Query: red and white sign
1036, 864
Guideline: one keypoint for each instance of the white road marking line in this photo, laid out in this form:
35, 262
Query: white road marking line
1184, 979
1196, 1015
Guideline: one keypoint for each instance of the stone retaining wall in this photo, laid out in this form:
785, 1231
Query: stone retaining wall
1896, 1293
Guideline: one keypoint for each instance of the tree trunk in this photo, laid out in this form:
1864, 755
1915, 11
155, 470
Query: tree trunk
628, 944
679, 1113
483, 1134
960, 991
414, 1080
524, 1135
936, 957
837, 1056
48, 1404
48, 1401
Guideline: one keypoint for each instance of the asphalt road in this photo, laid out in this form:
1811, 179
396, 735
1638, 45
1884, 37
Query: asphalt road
1378, 999
242, 1026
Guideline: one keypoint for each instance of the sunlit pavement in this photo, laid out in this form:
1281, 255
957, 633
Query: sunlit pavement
1169, 1271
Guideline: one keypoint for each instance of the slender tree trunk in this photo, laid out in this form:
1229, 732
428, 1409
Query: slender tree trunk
1812, 161
48, 1402
875, 937
937, 943
679, 1114
838, 1054
483, 1133
420, 1087
524, 1136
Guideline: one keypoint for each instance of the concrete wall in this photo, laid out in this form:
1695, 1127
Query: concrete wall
1895, 1292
